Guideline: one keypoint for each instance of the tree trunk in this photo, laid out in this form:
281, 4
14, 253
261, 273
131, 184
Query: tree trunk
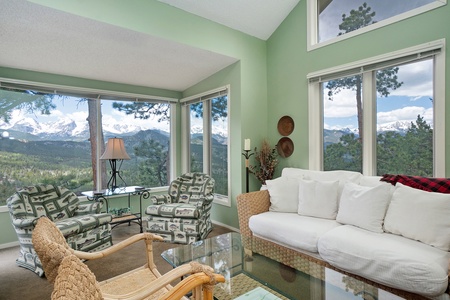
93, 123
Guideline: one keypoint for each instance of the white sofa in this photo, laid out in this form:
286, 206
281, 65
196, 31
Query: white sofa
396, 236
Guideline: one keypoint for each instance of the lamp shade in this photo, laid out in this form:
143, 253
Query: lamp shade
115, 149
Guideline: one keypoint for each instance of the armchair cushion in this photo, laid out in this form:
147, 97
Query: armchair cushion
179, 210
82, 223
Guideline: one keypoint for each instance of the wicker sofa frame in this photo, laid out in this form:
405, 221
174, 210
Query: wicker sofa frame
253, 203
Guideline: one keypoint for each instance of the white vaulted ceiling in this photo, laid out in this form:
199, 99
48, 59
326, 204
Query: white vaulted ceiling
39, 38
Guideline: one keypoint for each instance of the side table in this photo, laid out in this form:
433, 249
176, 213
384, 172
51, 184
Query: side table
135, 217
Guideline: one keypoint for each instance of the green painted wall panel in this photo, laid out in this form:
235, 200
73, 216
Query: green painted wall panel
288, 63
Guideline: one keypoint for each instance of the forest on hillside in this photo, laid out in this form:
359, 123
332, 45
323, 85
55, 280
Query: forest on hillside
68, 163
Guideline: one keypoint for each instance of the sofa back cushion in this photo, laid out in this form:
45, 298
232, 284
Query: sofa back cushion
283, 192
420, 215
371, 181
364, 206
341, 176
318, 198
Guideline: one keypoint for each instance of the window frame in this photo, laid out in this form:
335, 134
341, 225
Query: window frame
312, 23
185, 136
99, 95
315, 108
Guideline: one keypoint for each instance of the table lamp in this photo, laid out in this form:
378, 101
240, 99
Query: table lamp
115, 152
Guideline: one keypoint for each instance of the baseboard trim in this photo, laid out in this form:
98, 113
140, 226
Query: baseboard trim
9, 245
226, 226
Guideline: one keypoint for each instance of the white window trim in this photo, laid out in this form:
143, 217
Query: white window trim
185, 144
315, 110
313, 21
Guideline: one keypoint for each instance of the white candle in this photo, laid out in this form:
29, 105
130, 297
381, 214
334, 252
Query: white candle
247, 144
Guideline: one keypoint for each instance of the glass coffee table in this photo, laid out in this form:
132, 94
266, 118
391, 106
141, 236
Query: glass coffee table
259, 277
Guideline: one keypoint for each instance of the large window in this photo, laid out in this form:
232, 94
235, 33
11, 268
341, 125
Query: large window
334, 20
57, 138
206, 138
382, 115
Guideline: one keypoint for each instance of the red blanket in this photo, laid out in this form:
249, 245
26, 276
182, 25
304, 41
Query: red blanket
429, 184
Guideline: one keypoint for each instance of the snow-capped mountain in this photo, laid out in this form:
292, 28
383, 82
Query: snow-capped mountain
69, 130
219, 133
399, 126
64, 129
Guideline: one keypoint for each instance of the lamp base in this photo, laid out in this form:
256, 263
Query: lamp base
112, 182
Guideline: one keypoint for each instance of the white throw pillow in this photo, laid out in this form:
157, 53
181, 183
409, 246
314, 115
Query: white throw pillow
318, 198
420, 215
283, 193
363, 206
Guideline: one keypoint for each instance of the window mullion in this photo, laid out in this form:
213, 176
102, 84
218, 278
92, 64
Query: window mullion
99, 145
439, 144
315, 108
186, 137
369, 149
207, 136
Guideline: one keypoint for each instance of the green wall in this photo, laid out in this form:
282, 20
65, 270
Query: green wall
289, 62
247, 77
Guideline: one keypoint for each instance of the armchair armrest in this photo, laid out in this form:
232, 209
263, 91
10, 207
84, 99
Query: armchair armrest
161, 199
202, 202
88, 208
250, 204
27, 223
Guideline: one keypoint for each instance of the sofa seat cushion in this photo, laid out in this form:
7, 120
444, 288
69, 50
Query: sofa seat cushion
79, 224
290, 229
388, 259
174, 210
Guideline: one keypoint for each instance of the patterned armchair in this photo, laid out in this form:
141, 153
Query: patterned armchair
82, 224
184, 214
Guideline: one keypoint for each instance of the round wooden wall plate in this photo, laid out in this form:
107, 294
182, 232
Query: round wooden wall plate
285, 125
285, 147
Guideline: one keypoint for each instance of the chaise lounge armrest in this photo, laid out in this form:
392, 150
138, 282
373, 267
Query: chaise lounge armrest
196, 272
146, 236
193, 281
250, 204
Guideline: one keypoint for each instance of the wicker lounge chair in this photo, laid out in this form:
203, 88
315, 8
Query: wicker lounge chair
142, 283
